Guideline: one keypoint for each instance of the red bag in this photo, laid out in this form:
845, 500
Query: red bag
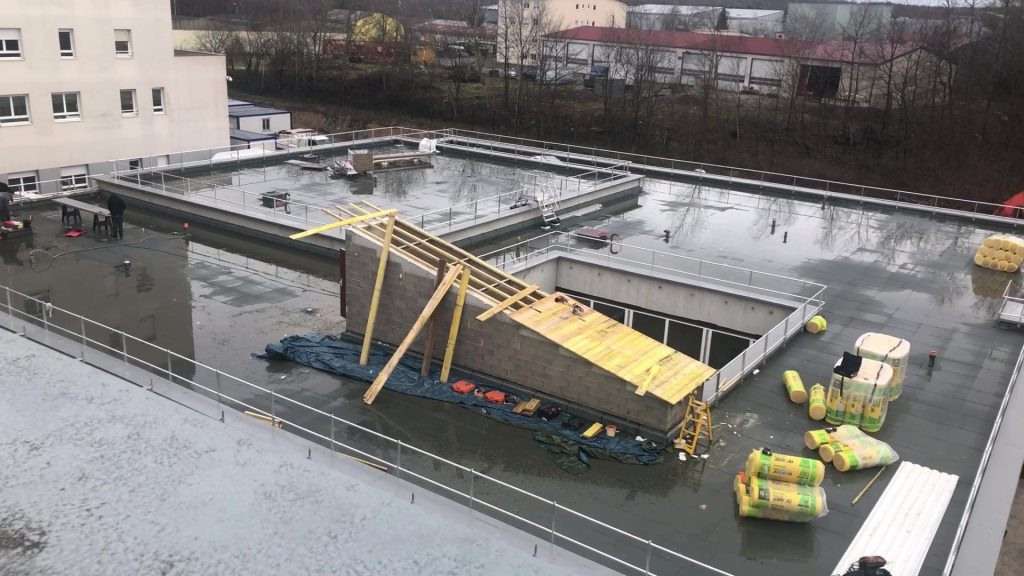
495, 397
463, 387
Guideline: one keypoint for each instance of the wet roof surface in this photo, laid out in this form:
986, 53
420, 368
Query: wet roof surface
893, 272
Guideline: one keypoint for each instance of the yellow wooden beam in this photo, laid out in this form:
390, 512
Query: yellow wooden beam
339, 224
377, 286
508, 302
651, 373
428, 310
332, 214
453, 332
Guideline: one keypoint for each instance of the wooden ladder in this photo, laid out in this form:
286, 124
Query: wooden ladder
699, 414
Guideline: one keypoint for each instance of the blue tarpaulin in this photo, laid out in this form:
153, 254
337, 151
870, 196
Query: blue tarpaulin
341, 357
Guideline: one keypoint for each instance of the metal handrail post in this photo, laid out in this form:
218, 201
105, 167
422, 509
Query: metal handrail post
554, 514
81, 321
398, 461
472, 483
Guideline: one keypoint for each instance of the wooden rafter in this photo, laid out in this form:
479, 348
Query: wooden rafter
428, 310
486, 315
378, 285
453, 332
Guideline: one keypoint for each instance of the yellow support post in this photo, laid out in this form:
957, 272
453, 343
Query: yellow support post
340, 223
508, 302
453, 332
428, 310
378, 284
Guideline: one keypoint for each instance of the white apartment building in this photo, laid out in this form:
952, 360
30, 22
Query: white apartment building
85, 82
521, 23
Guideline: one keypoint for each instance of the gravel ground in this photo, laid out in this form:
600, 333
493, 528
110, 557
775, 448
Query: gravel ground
103, 477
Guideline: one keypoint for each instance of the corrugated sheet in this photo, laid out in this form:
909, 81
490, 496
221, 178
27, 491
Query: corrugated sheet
902, 524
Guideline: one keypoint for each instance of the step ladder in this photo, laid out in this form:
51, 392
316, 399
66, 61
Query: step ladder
547, 200
699, 415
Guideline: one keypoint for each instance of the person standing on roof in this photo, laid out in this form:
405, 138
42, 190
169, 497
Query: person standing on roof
6, 196
116, 206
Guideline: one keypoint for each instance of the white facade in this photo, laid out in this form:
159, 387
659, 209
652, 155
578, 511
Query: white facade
260, 120
521, 23
89, 81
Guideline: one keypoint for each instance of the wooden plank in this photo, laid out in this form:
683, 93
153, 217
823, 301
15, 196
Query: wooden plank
508, 302
428, 346
428, 310
378, 285
339, 224
453, 332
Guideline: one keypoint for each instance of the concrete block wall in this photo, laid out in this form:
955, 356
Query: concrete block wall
499, 348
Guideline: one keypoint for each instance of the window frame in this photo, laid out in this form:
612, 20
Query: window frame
15, 36
21, 187
66, 116
74, 181
162, 107
135, 103
66, 54
265, 123
14, 120
131, 49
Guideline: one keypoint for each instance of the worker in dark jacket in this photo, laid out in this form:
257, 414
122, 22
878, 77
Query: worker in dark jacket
6, 196
116, 206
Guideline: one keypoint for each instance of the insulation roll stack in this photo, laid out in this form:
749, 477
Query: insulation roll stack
1000, 252
848, 448
887, 349
861, 400
795, 496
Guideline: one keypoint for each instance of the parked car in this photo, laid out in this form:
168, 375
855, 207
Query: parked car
558, 77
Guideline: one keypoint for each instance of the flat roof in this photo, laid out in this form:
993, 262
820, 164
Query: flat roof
893, 271
175, 469
249, 136
253, 110
233, 102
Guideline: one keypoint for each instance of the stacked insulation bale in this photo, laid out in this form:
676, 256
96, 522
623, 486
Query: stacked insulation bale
887, 349
1000, 252
862, 399
780, 487
848, 448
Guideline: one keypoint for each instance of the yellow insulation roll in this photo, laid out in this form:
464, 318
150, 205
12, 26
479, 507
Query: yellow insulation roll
816, 405
828, 450
815, 438
1000, 252
784, 467
794, 386
816, 324
787, 498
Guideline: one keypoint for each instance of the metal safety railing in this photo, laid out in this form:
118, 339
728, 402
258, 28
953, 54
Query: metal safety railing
982, 467
138, 361
262, 205
515, 257
488, 142
756, 283
563, 188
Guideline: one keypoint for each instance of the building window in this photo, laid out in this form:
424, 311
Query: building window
66, 41
10, 43
135, 164
74, 177
266, 123
14, 110
123, 43
65, 106
158, 101
128, 107
23, 182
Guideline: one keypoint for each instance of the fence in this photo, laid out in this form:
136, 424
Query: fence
558, 189
515, 256
762, 284
262, 205
732, 175
138, 361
